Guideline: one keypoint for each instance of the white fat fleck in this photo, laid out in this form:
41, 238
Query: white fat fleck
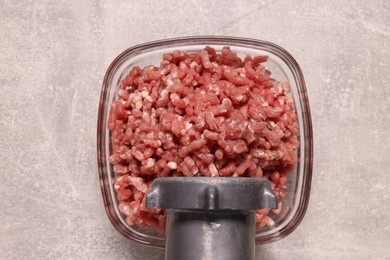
250, 128
138, 104
194, 170
278, 109
154, 120
144, 93
258, 154
225, 101
193, 64
150, 163
213, 170
172, 165
169, 82
281, 101
164, 93
135, 96
214, 87
280, 89
174, 96
145, 114
188, 126
235, 149
265, 104
240, 97
126, 210
116, 187
201, 124
149, 98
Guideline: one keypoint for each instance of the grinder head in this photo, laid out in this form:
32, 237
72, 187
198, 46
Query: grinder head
210, 217
211, 193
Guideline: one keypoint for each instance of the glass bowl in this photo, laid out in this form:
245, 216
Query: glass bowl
283, 67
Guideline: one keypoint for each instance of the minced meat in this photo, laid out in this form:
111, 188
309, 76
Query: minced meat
200, 114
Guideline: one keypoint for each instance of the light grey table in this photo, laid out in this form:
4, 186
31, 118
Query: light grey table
53, 55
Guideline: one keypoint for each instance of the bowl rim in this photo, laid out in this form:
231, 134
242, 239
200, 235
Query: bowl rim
220, 40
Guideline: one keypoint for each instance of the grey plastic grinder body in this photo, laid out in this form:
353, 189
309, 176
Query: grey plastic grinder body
210, 218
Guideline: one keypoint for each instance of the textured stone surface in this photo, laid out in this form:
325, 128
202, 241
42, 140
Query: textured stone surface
53, 58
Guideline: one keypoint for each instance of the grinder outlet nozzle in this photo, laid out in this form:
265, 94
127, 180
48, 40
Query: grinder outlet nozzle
211, 217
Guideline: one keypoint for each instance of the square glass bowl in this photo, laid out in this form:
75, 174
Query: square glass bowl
283, 67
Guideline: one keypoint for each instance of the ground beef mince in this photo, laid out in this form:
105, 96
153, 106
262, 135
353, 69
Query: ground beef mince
200, 114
